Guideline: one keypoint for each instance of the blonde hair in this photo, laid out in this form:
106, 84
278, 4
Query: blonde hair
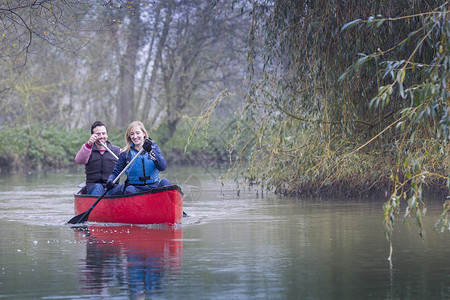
128, 134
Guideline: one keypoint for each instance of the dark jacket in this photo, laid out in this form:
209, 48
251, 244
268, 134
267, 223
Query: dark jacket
99, 166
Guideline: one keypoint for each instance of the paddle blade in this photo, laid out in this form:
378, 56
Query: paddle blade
81, 218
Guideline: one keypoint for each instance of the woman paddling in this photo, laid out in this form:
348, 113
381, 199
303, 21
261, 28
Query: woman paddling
143, 175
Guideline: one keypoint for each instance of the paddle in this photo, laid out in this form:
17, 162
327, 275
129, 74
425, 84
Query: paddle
109, 150
83, 217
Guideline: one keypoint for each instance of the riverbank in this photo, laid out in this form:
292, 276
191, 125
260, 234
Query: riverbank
49, 148
46, 147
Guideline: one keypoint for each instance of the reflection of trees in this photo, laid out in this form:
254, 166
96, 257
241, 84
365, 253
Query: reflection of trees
132, 258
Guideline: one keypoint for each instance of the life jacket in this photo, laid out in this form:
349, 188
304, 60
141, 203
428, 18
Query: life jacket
143, 170
99, 166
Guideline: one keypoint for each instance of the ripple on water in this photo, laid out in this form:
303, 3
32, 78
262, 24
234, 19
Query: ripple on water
38, 206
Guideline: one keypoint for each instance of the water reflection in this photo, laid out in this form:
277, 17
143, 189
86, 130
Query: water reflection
129, 260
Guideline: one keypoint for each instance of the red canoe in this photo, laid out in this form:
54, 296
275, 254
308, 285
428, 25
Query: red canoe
157, 206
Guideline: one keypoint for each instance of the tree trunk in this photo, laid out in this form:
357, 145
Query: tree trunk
148, 60
157, 61
125, 103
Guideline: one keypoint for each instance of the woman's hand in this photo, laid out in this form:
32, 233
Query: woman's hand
148, 145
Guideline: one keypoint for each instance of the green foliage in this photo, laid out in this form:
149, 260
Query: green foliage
207, 148
347, 102
418, 87
402, 132
115, 135
46, 147
38, 147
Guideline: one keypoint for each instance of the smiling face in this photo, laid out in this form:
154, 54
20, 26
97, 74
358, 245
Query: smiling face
102, 134
137, 136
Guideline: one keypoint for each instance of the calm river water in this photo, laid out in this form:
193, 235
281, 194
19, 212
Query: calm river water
231, 247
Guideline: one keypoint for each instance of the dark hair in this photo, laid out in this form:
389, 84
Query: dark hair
96, 124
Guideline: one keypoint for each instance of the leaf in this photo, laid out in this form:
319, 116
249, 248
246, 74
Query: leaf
350, 24
402, 91
402, 75
344, 75
391, 90
362, 59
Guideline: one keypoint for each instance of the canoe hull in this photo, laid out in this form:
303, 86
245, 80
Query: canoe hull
157, 206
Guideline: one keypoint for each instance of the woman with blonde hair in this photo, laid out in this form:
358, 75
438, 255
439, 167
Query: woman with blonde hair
143, 175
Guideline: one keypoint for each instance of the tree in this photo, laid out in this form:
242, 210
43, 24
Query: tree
201, 58
310, 129
157, 57
349, 97
416, 82
125, 102
27, 24
127, 60
40, 43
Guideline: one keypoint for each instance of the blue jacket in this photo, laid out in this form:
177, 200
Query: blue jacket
150, 163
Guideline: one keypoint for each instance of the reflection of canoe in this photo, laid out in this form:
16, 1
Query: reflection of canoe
162, 240
129, 257
160, 205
